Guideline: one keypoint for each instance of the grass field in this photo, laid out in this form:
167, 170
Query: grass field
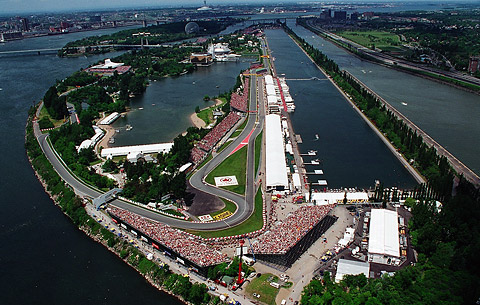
224, 145
229, 206
234, 165
258, 146
261, 286
381, 40
255, 222
44, 113
207, 114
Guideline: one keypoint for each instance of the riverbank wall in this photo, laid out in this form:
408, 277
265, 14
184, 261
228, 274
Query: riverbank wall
412, 71
415, 174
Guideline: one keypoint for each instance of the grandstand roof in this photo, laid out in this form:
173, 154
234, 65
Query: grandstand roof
276, 174
384, 233
272, 99
268, 80
270, 90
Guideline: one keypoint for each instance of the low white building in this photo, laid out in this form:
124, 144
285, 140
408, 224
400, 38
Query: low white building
384, 242
144, 149
349, 267
275, 165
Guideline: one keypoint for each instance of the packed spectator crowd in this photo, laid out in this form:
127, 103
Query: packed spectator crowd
177, 241
239, 102
212, 138
286, 234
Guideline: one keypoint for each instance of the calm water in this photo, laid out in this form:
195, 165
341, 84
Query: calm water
164, 110
351, 152
447, 114
45, 259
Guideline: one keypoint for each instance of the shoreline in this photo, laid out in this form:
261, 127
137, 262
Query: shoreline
87, 230
413, 171
198, 122
102, 241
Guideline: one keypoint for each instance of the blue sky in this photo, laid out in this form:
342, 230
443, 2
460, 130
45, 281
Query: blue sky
29, 6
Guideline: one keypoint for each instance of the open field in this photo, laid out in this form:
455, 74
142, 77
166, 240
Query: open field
261, 285
234, 165
381, 40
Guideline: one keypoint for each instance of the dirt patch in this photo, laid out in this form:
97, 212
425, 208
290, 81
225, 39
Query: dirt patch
201, 203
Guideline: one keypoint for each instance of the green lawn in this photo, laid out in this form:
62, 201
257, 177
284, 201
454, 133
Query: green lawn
258, 146
224, 145
255, 222
379, 39
236, 133
234, 165
207, 114
261, 286
44, 113
229, 206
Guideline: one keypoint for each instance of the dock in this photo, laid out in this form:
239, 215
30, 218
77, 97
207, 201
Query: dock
320, 182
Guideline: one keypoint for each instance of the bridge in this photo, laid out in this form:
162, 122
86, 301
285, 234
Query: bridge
34, 51
106, 197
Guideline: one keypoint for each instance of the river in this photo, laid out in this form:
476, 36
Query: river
449, 115
45, 259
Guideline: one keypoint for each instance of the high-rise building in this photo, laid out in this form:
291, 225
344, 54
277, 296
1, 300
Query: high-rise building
25, 24
340, 15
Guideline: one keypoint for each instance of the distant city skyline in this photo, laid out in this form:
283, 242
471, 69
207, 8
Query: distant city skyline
42, 6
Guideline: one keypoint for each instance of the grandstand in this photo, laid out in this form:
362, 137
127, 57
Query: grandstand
288, 240
177, 244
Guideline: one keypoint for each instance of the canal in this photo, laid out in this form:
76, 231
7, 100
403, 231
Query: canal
449, 115
352, 155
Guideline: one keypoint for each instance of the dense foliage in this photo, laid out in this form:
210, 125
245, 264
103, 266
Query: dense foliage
72, 206
55, 104
448, 242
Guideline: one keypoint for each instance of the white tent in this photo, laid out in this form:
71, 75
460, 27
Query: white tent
268, 80
384, 233
270, 90
349, 267
276, 174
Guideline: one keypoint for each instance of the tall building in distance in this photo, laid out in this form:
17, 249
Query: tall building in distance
474, 64
25, 24
340, 15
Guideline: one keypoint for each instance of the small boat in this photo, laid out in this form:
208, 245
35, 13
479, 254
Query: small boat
312, 152
404, 104
193, 83
141, 108
129, 127
111, 141
317, 137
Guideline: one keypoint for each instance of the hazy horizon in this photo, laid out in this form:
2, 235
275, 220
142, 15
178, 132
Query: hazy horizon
10, 7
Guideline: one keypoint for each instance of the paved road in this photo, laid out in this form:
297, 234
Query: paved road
393, 61
245, 204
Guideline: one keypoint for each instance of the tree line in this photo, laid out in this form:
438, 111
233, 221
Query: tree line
447, 239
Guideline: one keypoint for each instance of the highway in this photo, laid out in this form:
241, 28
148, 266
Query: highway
245, 204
